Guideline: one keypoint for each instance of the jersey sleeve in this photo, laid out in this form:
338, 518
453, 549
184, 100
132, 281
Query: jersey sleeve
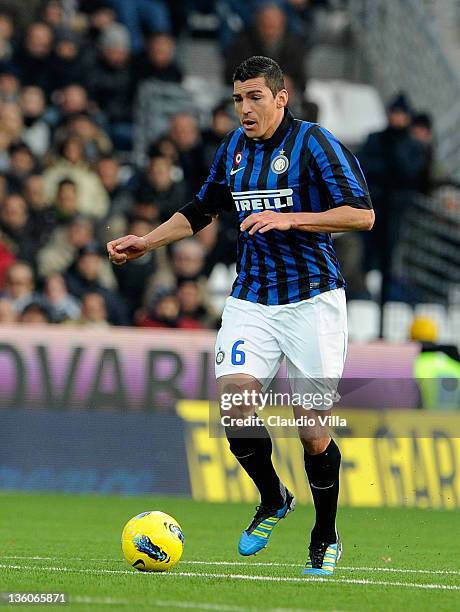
214, 195
335, 169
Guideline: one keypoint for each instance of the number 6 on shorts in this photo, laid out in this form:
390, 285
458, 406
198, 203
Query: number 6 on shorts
238, 357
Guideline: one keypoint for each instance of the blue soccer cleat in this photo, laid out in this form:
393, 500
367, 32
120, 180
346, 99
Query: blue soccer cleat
256, 536
323, 558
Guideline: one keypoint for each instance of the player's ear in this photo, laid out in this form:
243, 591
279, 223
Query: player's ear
282, 98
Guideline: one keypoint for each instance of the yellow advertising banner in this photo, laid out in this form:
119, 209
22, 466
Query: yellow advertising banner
394, 458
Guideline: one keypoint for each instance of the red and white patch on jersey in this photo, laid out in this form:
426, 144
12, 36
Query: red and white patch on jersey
238, 158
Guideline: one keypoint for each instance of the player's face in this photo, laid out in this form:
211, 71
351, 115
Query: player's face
259, 111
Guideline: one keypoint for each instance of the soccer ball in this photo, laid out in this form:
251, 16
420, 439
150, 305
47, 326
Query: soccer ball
152, 542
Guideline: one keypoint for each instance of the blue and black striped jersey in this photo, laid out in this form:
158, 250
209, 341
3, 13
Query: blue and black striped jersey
301, 168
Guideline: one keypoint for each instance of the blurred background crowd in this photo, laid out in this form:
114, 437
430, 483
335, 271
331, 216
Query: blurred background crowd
110, 113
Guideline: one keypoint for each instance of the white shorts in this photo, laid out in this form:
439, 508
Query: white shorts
311, 334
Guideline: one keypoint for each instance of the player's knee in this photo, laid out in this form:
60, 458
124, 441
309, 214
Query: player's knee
315, 446
238, 396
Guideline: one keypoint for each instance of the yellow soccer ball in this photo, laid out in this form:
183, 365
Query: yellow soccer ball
152, 542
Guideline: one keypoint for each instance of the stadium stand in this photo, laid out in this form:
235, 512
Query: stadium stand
108, 121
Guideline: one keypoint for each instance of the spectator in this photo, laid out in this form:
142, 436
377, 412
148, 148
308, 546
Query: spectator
85, 276
5, 142
219, 241
62, 305
72, 164
421, 130
108, 170
95, 140
269, 36
134, 276
6, 38
156, 185
59, 252
14, 222
394, 164
222, 123
69, 65
36, 132
7, 312
35, 59
164, 311
193, 306
62, 15
157, 102
436, 367
19, 285
94, 310
100, 13
53, 15
41, 214
166, 147
11, 121
66, 204
302, 16
300, 107
157, 61
142, 15
3, 187
188, 258
100, 17
9, 84
349, 248
393, 159
35, 313
144, 206
22, 165
187, 263
70, 101
7, 258
185, 134
111, 84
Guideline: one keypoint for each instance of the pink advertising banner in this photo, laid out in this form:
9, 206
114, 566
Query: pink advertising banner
133, 369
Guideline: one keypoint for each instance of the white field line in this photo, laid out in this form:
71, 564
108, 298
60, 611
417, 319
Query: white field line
193, 605
395, 570
109, 601
189, 605
316, 579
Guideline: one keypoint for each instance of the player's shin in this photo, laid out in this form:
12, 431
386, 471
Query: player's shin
323, 474
252, 447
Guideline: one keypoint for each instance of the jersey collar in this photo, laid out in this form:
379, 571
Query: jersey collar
274, 141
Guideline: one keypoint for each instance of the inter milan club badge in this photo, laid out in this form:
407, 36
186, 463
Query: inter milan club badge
238, 158
280, 163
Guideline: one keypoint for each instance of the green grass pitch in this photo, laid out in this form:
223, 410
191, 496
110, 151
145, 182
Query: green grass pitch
394, 559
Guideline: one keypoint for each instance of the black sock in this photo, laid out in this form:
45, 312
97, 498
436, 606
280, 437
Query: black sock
323, 475
254, 454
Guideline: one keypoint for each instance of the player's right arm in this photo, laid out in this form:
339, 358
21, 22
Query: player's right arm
131, 247
190, 219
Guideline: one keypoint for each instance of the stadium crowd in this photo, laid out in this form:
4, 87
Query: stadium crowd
98, 138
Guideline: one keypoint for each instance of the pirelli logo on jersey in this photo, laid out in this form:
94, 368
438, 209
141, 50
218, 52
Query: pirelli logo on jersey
263, 199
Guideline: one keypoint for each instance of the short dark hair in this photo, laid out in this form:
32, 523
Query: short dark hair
423, 120
260, 66
66, 181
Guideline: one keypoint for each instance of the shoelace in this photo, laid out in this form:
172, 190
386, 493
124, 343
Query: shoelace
262, 512
317, 552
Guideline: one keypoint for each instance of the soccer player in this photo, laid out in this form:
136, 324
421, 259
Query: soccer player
292, 184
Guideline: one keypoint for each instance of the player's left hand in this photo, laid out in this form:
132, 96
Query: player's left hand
265, 221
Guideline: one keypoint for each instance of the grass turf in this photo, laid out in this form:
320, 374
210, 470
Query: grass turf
71, 543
